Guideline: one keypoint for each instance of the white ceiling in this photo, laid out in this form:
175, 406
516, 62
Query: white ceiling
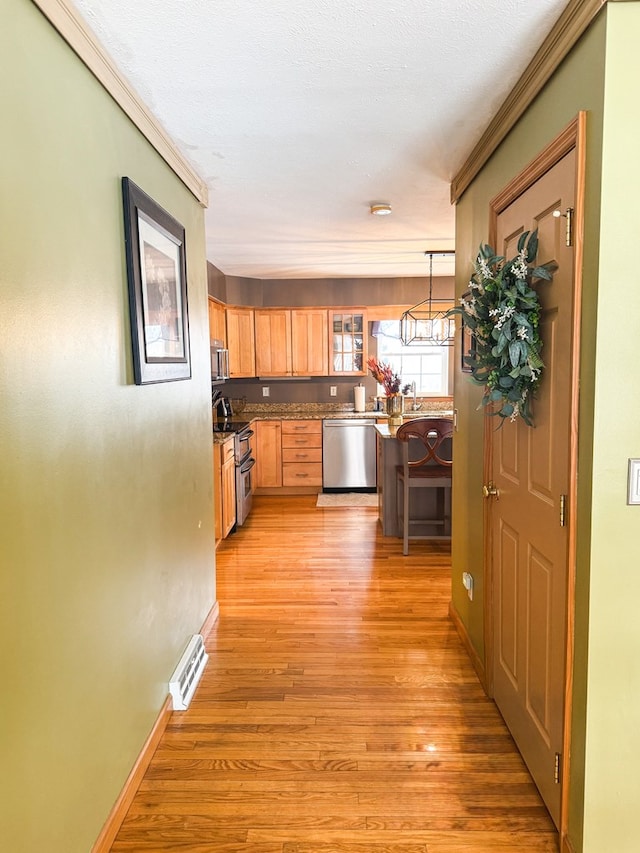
301, 113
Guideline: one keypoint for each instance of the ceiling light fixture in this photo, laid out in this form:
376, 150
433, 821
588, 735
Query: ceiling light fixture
424, 323
381, 208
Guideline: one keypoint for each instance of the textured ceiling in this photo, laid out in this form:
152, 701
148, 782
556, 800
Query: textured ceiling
301, 113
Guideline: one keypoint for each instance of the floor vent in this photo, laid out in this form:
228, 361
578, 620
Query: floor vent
187, 674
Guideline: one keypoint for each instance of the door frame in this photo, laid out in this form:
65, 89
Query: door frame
572, 137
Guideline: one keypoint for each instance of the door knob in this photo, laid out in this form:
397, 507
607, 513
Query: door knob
490, 491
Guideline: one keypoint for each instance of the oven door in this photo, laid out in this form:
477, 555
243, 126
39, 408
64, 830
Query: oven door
243, 445
244, 489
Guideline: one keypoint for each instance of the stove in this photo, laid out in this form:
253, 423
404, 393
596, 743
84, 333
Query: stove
230, 426
244, 462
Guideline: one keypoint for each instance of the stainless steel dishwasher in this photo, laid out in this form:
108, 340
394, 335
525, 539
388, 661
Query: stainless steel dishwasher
348, 454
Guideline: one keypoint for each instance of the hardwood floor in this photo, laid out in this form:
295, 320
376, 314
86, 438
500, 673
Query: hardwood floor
339, 712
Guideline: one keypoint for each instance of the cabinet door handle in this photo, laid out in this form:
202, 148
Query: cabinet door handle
302, 475
301, 455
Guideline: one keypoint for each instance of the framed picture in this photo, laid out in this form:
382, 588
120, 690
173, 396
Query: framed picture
157, 276
468, 343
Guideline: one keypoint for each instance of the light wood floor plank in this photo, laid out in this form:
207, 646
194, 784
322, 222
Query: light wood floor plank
339, 712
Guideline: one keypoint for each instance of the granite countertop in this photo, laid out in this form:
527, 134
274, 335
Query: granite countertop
384, 431
322, 411
221, 437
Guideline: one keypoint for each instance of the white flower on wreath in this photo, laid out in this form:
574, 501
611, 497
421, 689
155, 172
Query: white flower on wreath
483, 266
505, 314
520, 268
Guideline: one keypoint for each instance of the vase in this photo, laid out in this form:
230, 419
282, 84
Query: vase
395, 405
395, 408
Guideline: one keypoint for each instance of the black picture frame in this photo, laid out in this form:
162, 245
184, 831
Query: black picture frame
468, 347
157, 278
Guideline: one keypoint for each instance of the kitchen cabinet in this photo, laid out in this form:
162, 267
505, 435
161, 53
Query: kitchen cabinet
302, 453
217, 492
309, 342
273, 342
241, 342
288, 456
348, 342
228, 485
291, 342
268, 453
217, 321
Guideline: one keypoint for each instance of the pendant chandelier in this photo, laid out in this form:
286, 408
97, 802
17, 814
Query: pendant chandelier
424, 323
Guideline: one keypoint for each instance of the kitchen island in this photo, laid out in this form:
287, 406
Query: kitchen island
389, 456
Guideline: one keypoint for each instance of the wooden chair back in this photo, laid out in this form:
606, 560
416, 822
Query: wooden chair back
432, 432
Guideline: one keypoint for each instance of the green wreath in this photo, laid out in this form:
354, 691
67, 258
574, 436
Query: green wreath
502, 312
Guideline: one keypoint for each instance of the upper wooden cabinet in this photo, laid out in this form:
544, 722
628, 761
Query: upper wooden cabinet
291, 342
309, 342
273, 342
348, 342
241, 342
217, 321
295, 341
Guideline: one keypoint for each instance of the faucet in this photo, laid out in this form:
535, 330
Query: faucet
416, 406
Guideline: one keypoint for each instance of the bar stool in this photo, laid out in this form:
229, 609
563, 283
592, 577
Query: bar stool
431, 471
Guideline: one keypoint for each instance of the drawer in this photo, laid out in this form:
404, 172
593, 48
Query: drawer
227, 450
302, 454
301, 427
302, 474
299, 439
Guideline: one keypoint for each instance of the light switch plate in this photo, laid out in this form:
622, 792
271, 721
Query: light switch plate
633, 495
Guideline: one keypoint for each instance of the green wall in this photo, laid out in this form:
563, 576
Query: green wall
612, 781
577, 85
106, 499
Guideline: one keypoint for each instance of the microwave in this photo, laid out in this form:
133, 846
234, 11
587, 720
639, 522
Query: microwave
219, 362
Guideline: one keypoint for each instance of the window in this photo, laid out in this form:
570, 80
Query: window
425, 364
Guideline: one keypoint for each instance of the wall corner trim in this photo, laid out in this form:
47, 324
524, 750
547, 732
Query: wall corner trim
569, 27
460, 627
209, 622
66, 20
121, 806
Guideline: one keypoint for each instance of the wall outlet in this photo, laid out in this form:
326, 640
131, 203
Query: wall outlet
333, 390
467, 583
265, 391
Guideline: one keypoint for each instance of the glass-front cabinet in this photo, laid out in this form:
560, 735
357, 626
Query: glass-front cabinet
348, 342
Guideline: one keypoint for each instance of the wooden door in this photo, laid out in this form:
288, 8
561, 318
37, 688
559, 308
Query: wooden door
309, 342
273, 342
241, 342
228, 476
531, 469
217, 322
217, 492
268, 453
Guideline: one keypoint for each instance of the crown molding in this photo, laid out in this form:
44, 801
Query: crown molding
62, 15
569, 27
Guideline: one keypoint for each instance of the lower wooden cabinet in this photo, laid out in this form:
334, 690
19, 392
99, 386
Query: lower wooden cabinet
288, 455
217, 492
268, 453
302, 453
224, 488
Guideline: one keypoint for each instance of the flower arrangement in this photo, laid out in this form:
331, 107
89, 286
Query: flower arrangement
384, 375
502, 311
